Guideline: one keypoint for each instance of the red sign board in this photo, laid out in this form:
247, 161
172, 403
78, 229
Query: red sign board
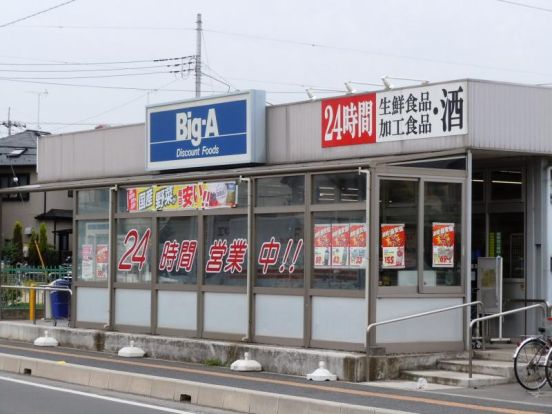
349, 120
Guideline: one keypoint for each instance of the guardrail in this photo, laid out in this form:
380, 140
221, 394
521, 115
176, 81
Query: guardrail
32, 299
544, 306
418, 315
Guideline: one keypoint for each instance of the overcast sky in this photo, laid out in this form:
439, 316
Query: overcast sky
280, 46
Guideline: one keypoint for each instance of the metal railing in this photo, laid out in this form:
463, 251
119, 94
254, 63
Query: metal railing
418, 315
43, 288
544, 306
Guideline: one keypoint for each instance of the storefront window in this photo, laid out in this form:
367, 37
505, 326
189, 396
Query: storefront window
398, 233
280, 250
93, 201
442, 234
177, 250
339, 188
506, 185
93, 251
226, 250
280, 191
134, 250
478, 186
340, 250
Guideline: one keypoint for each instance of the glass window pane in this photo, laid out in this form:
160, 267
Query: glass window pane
442, 234
339, 188
280, 250
226, 250
93, 250
281, 191
133, 250
506, 185
478, 186
340, 252
93, 201
177, 250
398, 253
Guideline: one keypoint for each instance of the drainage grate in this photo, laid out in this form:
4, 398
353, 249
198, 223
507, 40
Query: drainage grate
185, 398
27, 371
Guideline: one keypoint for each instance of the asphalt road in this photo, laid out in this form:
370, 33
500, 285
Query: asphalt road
22, 395
505, 400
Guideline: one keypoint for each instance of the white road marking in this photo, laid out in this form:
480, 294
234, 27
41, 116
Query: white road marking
97, 396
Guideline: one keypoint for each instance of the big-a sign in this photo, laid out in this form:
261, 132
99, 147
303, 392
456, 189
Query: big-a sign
214, 131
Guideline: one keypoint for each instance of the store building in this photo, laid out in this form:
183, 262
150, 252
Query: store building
299, 224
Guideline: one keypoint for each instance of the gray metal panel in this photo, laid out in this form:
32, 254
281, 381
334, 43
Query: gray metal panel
510, 117
107, 152
276, 126
294, 134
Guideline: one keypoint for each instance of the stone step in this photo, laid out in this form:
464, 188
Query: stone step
459, 379
495, 354
480, 366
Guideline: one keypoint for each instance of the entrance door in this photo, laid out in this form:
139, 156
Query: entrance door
506, 239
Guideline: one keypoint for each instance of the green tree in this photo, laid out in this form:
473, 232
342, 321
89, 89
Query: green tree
17, 240
33, 258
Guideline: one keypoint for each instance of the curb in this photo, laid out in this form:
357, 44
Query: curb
208, 395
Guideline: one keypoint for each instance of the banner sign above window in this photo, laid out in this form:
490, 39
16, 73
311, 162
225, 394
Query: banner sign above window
423, 112
182, 197
214, 131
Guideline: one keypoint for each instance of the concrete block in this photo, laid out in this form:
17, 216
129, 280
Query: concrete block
210, 397
323, 407
288, 405
27, 366
11, 364
77, 375
140, 386
163, 389
263, 404
356, 409
42, 369
236, 401
186, 388
99, 379
118, 382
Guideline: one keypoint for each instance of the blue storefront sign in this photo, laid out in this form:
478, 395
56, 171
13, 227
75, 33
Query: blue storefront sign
214, 131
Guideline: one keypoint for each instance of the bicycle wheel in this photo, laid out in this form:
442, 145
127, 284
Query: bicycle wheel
530, 364
548, 369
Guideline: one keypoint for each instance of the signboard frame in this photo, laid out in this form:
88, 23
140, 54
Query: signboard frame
255, 151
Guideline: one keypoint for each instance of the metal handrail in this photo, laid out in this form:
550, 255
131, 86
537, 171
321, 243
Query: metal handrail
37, 288
544, 306
417, 315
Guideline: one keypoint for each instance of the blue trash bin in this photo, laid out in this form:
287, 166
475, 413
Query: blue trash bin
60, 300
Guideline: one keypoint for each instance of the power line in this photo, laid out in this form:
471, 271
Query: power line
36, 14
98, 76
99, 63
64, 27
529, 6
90, 70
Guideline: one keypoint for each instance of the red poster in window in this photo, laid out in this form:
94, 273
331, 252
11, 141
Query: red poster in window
132, 199
349, 121
101, 261
393, 239
322, 245
443, 244
340, 245
358, 252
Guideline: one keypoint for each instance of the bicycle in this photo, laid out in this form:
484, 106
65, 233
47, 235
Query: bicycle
533, 361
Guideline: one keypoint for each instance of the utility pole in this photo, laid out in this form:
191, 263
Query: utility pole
198, 58
9, 123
